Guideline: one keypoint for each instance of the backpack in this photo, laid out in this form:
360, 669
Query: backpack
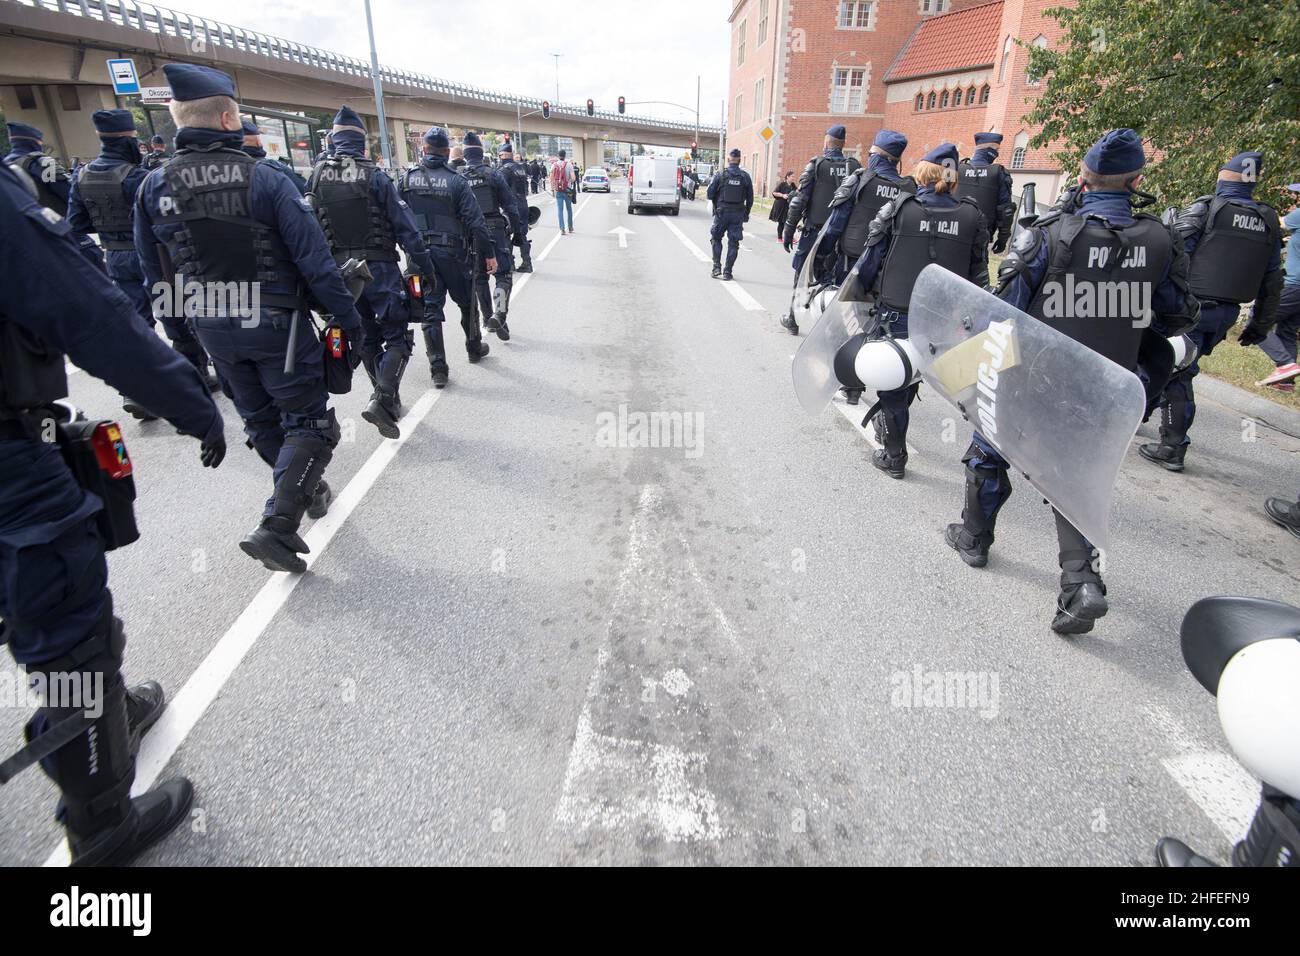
560, 176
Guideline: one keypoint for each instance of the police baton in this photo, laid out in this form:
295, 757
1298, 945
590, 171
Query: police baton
291, 353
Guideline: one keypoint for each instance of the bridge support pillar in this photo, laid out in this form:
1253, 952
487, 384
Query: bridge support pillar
591, 152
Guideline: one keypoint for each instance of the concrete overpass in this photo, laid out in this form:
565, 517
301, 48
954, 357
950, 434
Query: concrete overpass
54, 45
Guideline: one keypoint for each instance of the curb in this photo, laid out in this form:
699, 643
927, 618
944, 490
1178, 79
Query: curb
1279, 417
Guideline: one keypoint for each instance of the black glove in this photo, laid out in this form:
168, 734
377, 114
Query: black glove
999, 245
1253, 334
787, 241
211, 453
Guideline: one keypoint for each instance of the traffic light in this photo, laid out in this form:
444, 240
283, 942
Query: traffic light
622, 105
695, 153
591, 108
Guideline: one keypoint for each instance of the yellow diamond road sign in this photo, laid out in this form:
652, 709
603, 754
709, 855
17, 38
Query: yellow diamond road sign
767, 133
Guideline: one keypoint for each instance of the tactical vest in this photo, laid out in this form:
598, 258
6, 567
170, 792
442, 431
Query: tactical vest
921, 235
1100, 283
517, 176
873, 192
982, 184
219, 240
479, 181
732, 192
353, 220
428, 192
1234, 252
46, 196
109, 210
827, 176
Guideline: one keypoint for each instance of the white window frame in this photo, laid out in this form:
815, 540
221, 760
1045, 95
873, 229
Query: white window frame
850, 14
740, 42
762, 22
740, 110
842, 95
1004, 67
930, 7
759, 92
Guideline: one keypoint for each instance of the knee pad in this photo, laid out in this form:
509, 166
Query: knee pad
264, 434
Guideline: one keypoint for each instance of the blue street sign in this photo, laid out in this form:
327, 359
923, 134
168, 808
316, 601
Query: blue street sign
123, 75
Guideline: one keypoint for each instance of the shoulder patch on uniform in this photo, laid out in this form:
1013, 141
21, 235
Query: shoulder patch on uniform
303, 202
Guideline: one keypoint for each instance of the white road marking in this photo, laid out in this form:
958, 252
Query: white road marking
522, 280
184, 711
612, 782
747, 301
1224, 790
622, 232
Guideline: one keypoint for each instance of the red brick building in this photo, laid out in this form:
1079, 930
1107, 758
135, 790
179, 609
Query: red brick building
936, 70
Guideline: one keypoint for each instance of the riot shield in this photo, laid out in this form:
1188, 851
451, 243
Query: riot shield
1059, 412
813, 367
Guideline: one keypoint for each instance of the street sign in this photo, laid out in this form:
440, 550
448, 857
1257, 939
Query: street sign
767, 133
123, 75
155, 94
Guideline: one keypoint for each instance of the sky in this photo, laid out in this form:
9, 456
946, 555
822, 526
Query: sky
643, 50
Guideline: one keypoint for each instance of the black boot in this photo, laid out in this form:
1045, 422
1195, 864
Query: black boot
1082, 600
145, 703
1285, 513
436, 351
717, 270
493, 324
973, 548
726, 275
320, 500
502, 329
789, 324
476, 350
526, 266
985, 476
95, 768
382, 410
439, 373
275, 542
732, 253
892, 459
1274, 835
1175, 853
1169, 457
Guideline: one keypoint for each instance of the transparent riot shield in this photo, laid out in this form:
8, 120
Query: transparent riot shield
1059, 412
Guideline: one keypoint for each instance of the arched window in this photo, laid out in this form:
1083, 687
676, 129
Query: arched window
929, 101
1032, 78
984, 94
920, 102
1007, 47
970, 96
1021, 148
943, 100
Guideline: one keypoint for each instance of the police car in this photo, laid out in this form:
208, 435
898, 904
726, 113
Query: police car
595, 180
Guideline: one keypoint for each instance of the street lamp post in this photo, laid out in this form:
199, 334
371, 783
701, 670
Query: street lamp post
379, 92
557, 77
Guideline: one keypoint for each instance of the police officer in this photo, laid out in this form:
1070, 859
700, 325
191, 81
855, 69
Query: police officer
497, 201
517, 176
811, 203
1235, 244
296, 176
253, 147
862, 194
448, 217
53, 183
1104, 241
732, 193
54, 598
908, 234
157, 154
534, 174
100, 201
222, 218
364, 218
989, 184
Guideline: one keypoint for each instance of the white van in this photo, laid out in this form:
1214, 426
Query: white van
654, 184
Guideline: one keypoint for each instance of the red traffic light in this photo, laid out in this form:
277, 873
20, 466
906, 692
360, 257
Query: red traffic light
591, 108
546, 109
622, 105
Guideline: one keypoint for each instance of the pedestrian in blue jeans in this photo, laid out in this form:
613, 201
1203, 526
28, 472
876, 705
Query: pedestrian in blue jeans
561, 183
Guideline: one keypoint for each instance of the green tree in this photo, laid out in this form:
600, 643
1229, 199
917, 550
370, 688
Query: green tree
1200, 80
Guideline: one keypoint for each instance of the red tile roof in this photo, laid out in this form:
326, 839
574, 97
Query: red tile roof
961, 40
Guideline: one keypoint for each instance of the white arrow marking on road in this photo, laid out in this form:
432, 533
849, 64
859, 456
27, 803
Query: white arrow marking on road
623, 233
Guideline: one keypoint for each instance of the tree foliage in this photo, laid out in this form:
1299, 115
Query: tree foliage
1200, 80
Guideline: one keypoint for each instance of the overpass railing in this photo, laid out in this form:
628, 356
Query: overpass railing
194, 30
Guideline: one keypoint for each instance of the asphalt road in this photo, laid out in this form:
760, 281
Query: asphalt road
521, 641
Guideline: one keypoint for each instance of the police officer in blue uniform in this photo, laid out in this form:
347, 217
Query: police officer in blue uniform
293, 174
157, 154
1103, 241
450, 221
862, 194
222, 218
732, 193
497, 201
908, 234
53, 183
516, 174
364, 218
253, 147
54, 598
811, 203
102, 200
1235, 245
987, 182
